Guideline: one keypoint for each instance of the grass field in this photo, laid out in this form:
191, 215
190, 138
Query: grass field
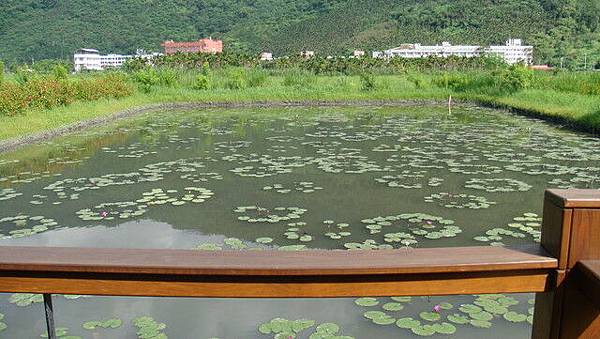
564, 105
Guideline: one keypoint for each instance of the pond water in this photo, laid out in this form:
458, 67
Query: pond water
289, 179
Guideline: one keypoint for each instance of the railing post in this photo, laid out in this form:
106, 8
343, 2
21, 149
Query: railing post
570, 233
49, 316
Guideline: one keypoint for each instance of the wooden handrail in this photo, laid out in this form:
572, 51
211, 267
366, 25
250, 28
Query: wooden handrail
566, 268
432, 271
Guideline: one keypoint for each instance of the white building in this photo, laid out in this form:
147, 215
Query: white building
266, 56
512, 52
358, 53
307, 54
444, 50
113, 60
87, 59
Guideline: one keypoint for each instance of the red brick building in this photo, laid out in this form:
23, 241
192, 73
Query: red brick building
201, 46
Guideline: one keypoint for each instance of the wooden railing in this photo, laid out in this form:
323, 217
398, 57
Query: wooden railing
564, 270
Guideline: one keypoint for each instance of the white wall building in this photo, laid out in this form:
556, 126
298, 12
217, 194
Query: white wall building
266, 56
87, 59
444, 50
512, 52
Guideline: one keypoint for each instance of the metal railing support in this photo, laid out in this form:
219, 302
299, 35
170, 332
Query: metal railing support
49, 316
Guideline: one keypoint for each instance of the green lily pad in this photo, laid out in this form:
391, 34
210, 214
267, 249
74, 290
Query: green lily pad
366, 302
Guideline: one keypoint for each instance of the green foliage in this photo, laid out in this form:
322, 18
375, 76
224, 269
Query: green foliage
236, 79
298, 78
418, 80
47, 66
23, 74
256, 77
167, 76
564, 29
507, 80
1, 71
202, 82
367, 81
60, 72
46, 92
516, 77
146, 78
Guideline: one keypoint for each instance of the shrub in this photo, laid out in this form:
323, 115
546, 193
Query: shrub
1, 72
591, 86
48, 93
167, 77
60, 71
146, 78
298, 78
236, 79
367, 81
418, 81
23, 74
256, 77
13, 99
202, 82
457, 82
516, 78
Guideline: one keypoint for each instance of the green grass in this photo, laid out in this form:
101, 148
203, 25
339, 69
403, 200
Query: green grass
580, 110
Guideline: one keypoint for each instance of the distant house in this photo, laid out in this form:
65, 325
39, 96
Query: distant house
266, 56
201, 46
307, 54
358, 53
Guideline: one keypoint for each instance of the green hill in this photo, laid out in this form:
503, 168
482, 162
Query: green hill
41, 29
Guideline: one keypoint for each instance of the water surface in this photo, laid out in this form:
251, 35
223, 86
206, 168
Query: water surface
289, 179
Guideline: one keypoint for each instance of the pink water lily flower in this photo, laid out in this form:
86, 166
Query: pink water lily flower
437, 308
104, 214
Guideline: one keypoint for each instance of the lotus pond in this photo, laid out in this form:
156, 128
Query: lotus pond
289, 179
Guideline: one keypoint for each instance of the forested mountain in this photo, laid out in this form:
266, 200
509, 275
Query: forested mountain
40, 29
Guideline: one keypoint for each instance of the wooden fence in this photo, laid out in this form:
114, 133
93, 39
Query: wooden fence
564, 271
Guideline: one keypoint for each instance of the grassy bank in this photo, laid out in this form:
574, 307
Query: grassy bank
565, 105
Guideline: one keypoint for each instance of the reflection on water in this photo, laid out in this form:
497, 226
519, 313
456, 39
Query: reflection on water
291, 179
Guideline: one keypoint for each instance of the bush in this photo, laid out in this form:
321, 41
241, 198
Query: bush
49, 92
13, 99
167, 77
591, 86
367, 81
298, 78
256, 77
202, 82
23, 74
456, 82
236, 79
1, 72
516, 78
46, 93
418, 81
60, 72
146, 78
